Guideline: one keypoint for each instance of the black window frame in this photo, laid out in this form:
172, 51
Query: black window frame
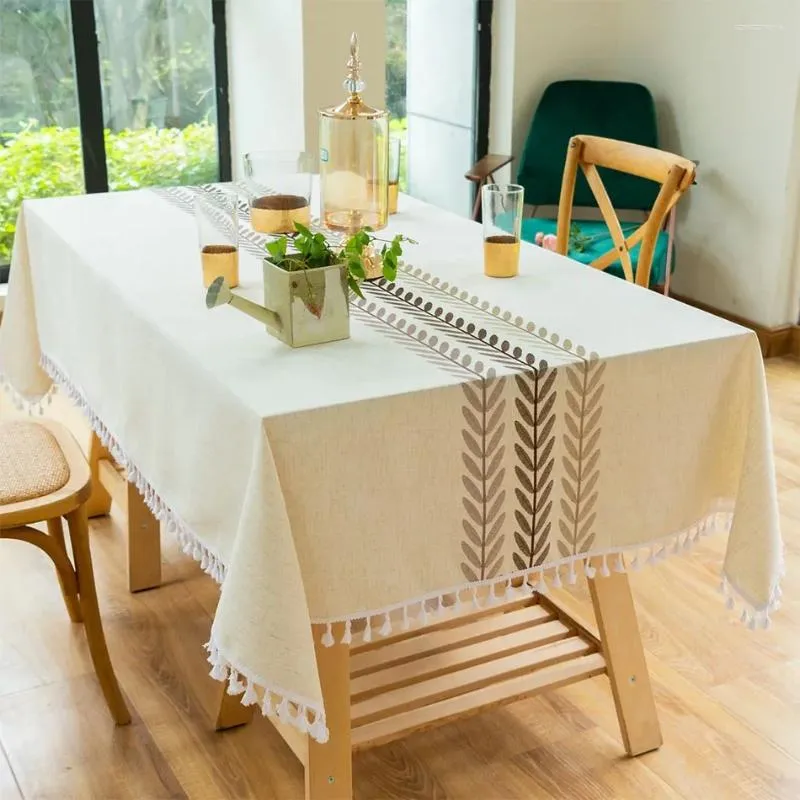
483, 77
88, 80
483, 80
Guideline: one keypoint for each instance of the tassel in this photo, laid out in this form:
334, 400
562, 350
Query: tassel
588, 569
423, 614
620, 565
744, 616
219, 672
729, 604
604, 570
250, 697
572, 577
557, 580
475, 603
318, 730
543, 587
266, 707
676, 548
367, 635
327, 637
284, 712
406, 620
439, 604
386, 628
508, 591
301, 721
766, 622
348, 636
235, 686
751, 623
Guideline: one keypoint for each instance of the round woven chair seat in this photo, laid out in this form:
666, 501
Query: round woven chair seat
31, 462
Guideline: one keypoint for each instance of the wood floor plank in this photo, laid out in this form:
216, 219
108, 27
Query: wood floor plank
56, 751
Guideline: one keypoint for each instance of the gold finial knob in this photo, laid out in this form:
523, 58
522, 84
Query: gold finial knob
353, 82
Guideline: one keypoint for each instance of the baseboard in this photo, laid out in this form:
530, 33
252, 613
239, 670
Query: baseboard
783, 340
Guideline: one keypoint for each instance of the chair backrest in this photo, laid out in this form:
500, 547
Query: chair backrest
674, 174
612, 109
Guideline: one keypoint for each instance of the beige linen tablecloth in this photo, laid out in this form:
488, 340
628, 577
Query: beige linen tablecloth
469, 432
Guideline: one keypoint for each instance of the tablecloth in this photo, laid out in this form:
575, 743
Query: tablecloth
471, 431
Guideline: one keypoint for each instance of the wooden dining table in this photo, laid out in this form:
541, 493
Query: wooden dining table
387, 514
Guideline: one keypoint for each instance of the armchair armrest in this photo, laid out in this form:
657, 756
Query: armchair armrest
486, 166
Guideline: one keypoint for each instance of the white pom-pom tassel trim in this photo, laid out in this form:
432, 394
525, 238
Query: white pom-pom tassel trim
327, 637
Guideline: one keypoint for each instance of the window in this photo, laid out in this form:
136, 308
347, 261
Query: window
109, 94
438, 69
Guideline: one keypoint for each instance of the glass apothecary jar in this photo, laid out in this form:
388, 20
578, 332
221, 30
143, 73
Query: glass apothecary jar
354, 158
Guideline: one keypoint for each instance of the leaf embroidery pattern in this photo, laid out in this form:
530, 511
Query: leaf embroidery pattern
483, 478
425, 348
582, 417
461, 330
534, 444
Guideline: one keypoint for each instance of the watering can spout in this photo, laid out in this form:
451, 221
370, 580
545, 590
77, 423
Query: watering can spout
220, 294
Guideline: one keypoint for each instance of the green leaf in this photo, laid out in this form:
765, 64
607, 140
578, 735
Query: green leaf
353, 284
277, 249
390, 267
356, 268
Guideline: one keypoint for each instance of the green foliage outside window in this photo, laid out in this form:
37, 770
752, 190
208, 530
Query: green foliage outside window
46, 162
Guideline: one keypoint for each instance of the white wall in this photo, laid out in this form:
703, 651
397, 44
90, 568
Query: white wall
441, 101
501, 89
726, 96
265, 65
286, 58
327, 25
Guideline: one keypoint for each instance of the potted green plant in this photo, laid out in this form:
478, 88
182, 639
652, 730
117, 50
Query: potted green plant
307, 282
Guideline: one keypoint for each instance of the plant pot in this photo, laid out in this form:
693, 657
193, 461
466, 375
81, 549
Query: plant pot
312, 304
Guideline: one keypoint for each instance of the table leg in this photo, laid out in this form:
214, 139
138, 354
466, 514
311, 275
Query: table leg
99, 502
625, 661
231, 712
329, 773
144, 544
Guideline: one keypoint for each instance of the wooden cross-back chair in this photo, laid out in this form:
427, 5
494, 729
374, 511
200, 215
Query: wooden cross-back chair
675, 174
44, 478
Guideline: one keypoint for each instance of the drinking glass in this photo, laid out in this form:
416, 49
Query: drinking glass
218, 231
502, 223
395, 150
279, 189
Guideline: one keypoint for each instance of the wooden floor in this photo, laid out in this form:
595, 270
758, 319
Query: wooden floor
729, 699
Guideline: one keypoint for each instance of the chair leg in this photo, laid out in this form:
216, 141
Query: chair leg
79, 534
476, 207
71, 599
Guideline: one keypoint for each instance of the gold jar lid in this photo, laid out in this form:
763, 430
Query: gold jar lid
354, 106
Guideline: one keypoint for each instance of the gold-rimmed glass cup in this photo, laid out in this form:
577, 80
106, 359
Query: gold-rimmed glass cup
278, 187
502, 206
218, 233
